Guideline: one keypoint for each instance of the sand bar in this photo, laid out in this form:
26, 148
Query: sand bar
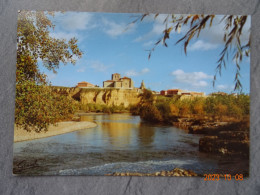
61, 128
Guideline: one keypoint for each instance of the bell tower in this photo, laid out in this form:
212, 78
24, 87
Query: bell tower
115, 77
142, 85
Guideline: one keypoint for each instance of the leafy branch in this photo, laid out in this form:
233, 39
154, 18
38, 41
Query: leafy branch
231, 36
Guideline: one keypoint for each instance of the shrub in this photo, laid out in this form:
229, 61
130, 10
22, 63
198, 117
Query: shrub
150, 113
174, 109
134, 109
164, 109
220, 109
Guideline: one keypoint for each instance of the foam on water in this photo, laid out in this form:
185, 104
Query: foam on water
141, 167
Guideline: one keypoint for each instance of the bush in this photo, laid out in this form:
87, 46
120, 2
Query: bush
174, 109
150, 113
38, 106
165, 110
134, 109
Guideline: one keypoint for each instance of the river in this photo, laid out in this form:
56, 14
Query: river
119, 143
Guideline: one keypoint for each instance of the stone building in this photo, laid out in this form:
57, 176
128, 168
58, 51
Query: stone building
182, 93
142, 85
118, 82
171, 92
85, 84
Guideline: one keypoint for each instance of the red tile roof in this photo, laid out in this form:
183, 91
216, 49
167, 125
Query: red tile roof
125, 78
109, 81
173, 90
84, 83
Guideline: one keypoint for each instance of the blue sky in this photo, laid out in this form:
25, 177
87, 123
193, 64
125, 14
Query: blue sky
111, 45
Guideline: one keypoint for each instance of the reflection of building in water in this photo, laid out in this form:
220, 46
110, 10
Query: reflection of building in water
120, 134
145, 134
116, 132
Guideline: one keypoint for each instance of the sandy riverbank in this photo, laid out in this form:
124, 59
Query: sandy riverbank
61, 128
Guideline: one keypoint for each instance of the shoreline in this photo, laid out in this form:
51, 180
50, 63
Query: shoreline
21, 135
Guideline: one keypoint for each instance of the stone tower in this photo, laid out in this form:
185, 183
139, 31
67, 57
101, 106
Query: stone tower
142, 85
115, 77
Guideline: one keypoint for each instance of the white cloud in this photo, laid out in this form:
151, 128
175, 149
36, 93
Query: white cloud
116, 29
132, 73
195, 79
73, 21
95, 65
202, 46
82, 69
63, 35
145, 70
148, 44
69, 24
157, 29
98, 66
222, 87
138, 39
215, 33
200, 84
225, 87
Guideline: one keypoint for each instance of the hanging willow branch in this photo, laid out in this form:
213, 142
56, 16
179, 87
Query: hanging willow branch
231, 36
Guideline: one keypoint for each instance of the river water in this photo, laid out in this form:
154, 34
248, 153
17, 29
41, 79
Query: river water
119, 143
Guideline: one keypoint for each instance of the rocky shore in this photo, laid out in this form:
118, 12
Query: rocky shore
224, 138
175, 172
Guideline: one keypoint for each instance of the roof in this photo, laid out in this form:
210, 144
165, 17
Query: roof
173, 90
193, 92
84, 82
125, 78
109, 81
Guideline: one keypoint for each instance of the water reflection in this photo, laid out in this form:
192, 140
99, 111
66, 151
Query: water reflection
120, 134
145, 134
123, 131
118, 129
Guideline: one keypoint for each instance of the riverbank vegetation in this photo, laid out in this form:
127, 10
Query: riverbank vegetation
214, 108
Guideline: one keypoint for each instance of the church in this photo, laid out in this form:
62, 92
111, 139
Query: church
118, 82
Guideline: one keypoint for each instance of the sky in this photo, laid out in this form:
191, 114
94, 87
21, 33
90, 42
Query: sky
112, 44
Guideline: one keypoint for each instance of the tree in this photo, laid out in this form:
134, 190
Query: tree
231, 37
146, 98
37, 105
